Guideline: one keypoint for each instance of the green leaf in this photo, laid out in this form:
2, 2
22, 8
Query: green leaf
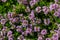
8, 25
58, 20
1, 26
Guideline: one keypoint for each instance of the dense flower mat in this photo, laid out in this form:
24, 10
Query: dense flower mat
29, 19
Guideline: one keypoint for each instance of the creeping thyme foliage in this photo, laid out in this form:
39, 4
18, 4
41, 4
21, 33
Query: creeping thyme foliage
29, 19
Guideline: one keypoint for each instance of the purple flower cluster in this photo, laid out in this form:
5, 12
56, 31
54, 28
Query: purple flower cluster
3, 0
30, 23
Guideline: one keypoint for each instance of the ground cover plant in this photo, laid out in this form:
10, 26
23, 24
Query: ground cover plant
29, 19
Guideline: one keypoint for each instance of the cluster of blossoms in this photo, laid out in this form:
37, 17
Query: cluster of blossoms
37, 24
3, 0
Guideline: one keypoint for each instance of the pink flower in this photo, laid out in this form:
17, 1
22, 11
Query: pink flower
44, 32
3, 0
9, 34
38, 9
58, 10
58, 32
47, 21
20, 37
1, 38
38, 21
45, 10
25, 2
9, 15
22, 1
27, 9
10, 39
1, 16
31, 15
32, 3
1, 33
56, 13
55, 37
19, 29
51, 7
11, 19
40, 38
56, 0
35, 0
20, 15
14, 20
28, 30
19, 1
4, 30
54, 6
36, 29
25, 23
48, 38
3, 21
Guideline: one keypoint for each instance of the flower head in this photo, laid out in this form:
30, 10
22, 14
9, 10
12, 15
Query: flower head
9, 34
10, 38
36, 29
54, 7
3, 21
27, 9
28, 30
48, 38
47, 21
20, 37
38, 9
3, 0
56, 13
25, 23
45, 10
9, 15
1, 16
19, 28
31, 15
32, 3
56, 0
40, 38
55, 37
44, 32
